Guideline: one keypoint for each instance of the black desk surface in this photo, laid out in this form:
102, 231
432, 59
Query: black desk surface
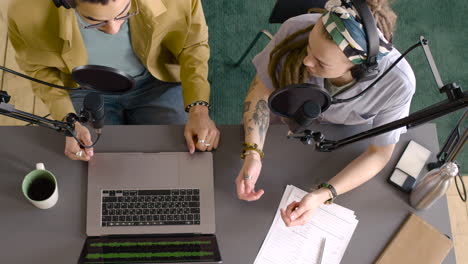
31, 235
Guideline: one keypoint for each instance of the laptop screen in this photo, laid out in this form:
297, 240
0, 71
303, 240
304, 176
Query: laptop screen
150, 249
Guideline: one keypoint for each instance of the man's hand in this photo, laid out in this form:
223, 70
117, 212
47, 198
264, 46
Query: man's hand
299, 213
247, 178
72, 147
200, 130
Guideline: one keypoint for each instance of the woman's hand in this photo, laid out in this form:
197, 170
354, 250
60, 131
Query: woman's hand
299, 213
248, 176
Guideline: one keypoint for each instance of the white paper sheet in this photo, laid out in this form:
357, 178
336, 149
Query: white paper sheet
303, 244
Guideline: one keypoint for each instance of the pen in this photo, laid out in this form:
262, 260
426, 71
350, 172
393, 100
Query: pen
322, 249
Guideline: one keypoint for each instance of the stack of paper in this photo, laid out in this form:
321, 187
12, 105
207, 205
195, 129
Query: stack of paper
328, 233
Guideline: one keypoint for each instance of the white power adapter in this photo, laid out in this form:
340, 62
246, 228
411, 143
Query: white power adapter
409, 166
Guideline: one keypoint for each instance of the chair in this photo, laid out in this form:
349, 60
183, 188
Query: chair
283, 10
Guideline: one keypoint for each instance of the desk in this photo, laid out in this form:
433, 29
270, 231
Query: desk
31, 235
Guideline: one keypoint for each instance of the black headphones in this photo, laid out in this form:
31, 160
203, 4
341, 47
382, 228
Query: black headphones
65, 3
370, 68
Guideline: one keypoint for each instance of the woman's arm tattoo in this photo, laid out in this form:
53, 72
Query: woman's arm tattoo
248, 129
261, 117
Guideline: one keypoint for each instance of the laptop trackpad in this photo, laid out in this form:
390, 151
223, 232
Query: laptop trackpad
135, 170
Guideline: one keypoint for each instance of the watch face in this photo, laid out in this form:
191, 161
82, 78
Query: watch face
328, 188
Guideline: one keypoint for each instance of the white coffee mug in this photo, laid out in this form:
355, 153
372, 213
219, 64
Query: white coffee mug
40, 187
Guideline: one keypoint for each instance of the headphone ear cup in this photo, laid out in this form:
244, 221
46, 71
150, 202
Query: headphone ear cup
65, 3
361, 72
357, 72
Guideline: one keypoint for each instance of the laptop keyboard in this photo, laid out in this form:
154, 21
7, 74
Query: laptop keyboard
150, 207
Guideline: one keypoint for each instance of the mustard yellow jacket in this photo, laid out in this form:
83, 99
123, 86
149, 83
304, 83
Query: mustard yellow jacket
170, 37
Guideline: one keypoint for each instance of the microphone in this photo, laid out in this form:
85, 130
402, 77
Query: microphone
304, 116
300, 103
93, 110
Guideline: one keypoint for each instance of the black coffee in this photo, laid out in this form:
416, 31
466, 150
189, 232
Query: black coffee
41, 189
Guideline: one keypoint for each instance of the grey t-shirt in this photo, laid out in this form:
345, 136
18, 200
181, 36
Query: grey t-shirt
111, 50
387, 101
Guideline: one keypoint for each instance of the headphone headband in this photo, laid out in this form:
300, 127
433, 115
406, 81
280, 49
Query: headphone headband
370, 68
371, 30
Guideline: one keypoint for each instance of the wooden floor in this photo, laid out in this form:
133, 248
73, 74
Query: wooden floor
18, 88
23, 99
458, 211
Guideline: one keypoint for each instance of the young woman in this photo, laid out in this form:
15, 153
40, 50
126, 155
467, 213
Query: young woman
322, 49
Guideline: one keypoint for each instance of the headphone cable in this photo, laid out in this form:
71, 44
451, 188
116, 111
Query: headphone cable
338, 101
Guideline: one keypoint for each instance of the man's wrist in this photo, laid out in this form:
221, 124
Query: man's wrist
198, 109
189, 107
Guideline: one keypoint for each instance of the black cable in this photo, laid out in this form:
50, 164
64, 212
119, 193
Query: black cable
79, 141
338, 101
462, 197
39, 81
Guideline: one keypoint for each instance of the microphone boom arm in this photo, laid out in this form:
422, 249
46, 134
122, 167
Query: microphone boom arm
413, 120
457, 99
89, 77
67, 128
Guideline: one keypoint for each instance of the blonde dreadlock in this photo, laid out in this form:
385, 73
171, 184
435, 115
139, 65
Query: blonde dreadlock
293, 70
385, 18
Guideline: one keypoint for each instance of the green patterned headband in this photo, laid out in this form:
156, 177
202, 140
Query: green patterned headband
344, 25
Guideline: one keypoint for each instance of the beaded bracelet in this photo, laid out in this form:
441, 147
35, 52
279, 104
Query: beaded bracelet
250, 146
187, 109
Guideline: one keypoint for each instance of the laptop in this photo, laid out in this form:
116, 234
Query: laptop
150, 208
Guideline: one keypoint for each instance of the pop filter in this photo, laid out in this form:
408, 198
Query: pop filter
301, 103
103, 79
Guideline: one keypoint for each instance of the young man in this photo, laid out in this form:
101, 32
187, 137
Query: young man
162, 44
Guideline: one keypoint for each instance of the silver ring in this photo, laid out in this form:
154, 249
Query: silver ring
79, 153
207, 144
201, 141
247, 177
